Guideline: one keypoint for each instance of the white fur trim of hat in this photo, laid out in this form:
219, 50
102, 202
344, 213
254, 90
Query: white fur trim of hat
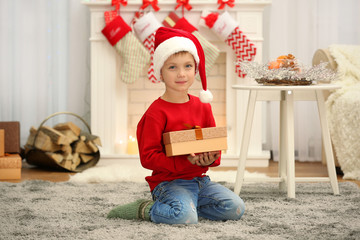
168, 48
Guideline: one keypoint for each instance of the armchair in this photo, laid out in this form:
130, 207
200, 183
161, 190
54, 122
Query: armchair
343, 106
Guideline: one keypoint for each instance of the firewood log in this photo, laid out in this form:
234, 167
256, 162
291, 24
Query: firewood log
55, 156
68, 126
44, 143
85, 157
56, 136
93, 138
82, 147
70, 135
75, 161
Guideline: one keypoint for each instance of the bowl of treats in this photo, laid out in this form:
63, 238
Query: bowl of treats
286, 70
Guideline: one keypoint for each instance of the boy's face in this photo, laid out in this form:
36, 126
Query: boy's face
178, 72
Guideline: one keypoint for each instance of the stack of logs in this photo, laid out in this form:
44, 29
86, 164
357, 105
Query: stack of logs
64, 143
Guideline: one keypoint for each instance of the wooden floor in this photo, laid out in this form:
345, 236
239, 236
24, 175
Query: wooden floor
302, 169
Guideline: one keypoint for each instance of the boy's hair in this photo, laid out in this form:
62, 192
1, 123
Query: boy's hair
182, 53
169, 41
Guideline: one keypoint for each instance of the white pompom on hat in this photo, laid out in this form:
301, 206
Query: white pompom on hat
169, 41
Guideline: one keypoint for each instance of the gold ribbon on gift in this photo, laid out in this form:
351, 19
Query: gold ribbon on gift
198, 131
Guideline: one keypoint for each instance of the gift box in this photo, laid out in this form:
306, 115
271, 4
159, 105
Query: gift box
2, 142
12, 136
10, 167
196, 140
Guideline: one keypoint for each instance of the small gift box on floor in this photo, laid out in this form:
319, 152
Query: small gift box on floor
10, 167
11, 137
196, 140
2, 142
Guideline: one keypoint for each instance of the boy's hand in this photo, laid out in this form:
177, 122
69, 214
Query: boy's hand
204, 159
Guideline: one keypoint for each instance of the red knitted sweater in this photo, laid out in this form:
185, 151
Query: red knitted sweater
163, 117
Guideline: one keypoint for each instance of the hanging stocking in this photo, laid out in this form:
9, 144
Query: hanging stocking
211, 51
228, 30
133, 53
145, 28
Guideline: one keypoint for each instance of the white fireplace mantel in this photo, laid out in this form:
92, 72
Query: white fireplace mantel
109, 107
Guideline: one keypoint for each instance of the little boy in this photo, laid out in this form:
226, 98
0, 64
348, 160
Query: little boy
180, 189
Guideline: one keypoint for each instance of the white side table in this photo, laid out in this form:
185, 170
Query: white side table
286, 95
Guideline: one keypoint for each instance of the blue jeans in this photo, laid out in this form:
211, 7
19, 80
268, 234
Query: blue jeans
183, 201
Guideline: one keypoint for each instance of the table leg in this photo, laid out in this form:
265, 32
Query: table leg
289, 126
327, 142
245, 141
282, 144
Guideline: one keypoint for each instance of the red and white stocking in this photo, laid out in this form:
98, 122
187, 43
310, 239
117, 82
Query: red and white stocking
210, 50
134, 55
228, 30
145, 28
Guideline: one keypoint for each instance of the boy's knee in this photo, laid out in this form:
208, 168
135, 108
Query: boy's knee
238, 208
234, 209
178, 213
187, 214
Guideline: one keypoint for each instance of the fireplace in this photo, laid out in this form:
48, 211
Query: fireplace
116, 107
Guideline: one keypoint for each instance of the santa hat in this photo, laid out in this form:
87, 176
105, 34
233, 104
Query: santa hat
169, 41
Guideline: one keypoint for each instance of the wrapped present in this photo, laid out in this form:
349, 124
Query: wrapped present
10, 167
2, 142
12, 136
196, 140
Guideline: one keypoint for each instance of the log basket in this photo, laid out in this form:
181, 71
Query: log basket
39, 158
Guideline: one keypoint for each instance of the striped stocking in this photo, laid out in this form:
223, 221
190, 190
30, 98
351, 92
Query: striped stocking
145, 28
133, 53
228, 30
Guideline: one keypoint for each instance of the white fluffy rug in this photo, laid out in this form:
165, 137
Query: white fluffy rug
131, 171
63, 210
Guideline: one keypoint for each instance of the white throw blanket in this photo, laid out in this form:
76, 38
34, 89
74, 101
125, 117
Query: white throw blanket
343, 110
